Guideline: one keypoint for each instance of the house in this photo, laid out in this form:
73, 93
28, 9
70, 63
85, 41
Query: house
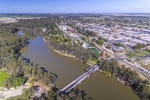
85, 45
74, 35
118, 49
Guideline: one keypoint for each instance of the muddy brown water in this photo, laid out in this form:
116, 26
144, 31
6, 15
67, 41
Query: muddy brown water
98, 85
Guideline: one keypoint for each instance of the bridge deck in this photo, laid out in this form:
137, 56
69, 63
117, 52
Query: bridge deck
79, 79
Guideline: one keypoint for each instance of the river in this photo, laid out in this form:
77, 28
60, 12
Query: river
98, 85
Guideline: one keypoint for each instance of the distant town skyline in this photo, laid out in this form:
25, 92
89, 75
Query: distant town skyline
74, 6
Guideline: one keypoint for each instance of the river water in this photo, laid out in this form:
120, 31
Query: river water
98, 85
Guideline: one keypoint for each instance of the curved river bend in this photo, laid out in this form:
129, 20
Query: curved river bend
98, 86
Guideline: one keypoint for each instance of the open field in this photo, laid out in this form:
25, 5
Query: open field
3, 76
11, 93
15, 19
7, 20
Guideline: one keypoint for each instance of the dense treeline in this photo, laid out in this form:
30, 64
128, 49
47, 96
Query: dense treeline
28, 26
74, 94
37, 73
25, 71
10, 45
14, 81
37, 24
12, 62
130, 78
8, 29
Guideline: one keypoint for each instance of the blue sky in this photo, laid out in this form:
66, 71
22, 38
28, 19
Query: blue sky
74, 6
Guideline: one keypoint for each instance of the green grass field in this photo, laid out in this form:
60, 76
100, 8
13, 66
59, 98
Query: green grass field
3, 76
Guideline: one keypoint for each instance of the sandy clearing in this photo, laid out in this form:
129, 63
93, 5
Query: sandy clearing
12, 93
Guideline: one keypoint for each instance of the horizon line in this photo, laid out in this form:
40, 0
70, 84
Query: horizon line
78, 13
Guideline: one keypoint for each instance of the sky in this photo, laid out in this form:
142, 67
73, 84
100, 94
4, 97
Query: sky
74, 6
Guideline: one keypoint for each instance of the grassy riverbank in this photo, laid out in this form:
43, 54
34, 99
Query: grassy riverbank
89, 62
64, 54
105, 72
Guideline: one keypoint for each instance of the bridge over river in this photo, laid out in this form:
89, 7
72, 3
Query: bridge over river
79, 79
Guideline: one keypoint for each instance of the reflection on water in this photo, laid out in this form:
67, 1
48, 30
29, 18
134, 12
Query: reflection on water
98, 86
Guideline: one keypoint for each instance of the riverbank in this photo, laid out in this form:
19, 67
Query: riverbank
106, 73
109, 75
63, 53
89, 62
124, 83
118, 79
